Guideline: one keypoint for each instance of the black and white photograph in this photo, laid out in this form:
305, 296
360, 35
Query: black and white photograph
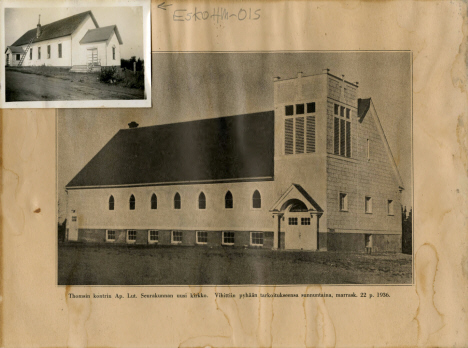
70, 56
262, 168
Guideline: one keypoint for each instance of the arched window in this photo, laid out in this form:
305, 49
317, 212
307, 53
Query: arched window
201, 201
111, 203
132, 202
256, 200
154, 201
228, 201
177, 201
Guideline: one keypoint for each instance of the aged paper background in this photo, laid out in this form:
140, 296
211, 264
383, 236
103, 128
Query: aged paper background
432, 312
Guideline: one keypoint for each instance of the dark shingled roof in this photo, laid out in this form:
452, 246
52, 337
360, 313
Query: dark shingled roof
100, 34
363, 107
236, 147
14, 49
56, 29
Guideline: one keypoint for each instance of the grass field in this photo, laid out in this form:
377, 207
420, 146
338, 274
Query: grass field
177, 265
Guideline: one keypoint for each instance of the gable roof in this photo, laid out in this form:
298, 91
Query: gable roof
293, 193
101, 34
14, 49
364, 105
62, 27
212, 150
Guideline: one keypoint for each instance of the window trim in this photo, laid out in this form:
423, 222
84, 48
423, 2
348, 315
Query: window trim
150, 241
177, 241
390, 204
226, 200
368, 207
252, 200
177, 194
107, 236
196, 237
155, 201
201, 195
130, 202
345, 206
234, 237
251, 239
131, 241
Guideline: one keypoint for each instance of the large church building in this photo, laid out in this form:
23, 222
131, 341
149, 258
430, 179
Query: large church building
315, 173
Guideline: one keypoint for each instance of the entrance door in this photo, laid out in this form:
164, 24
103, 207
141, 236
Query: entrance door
300, 232
73, 229
92, 56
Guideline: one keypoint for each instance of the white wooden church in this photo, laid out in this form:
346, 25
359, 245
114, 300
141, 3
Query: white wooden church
76, 42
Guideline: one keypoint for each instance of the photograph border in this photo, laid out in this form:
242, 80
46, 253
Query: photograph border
131, 103
260, 286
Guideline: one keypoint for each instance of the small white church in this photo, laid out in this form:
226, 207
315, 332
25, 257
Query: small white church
76, 42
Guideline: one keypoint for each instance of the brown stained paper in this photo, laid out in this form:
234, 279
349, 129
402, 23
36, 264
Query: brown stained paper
430, 311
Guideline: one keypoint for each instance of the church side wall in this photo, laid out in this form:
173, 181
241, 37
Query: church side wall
78, 52
91, 207
53, 59
113, 42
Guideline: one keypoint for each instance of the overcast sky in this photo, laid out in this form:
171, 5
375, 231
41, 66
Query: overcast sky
188, 86
129, 21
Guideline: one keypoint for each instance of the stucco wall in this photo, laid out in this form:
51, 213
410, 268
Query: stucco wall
91, 206
54, 59
113, 42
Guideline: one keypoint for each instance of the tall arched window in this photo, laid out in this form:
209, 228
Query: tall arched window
132, 202
154, 201
256, 200
201, 201
228, 201
111, 203
177, 201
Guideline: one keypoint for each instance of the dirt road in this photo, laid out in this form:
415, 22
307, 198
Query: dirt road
30, 87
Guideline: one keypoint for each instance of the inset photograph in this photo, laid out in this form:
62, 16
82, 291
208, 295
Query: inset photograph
77, 56
252, 169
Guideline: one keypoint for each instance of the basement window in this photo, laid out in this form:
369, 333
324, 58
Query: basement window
153, 236
131, 236
368, 205
110, 236
343, 202
202, 237
176, 237
256, 238
228, 238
